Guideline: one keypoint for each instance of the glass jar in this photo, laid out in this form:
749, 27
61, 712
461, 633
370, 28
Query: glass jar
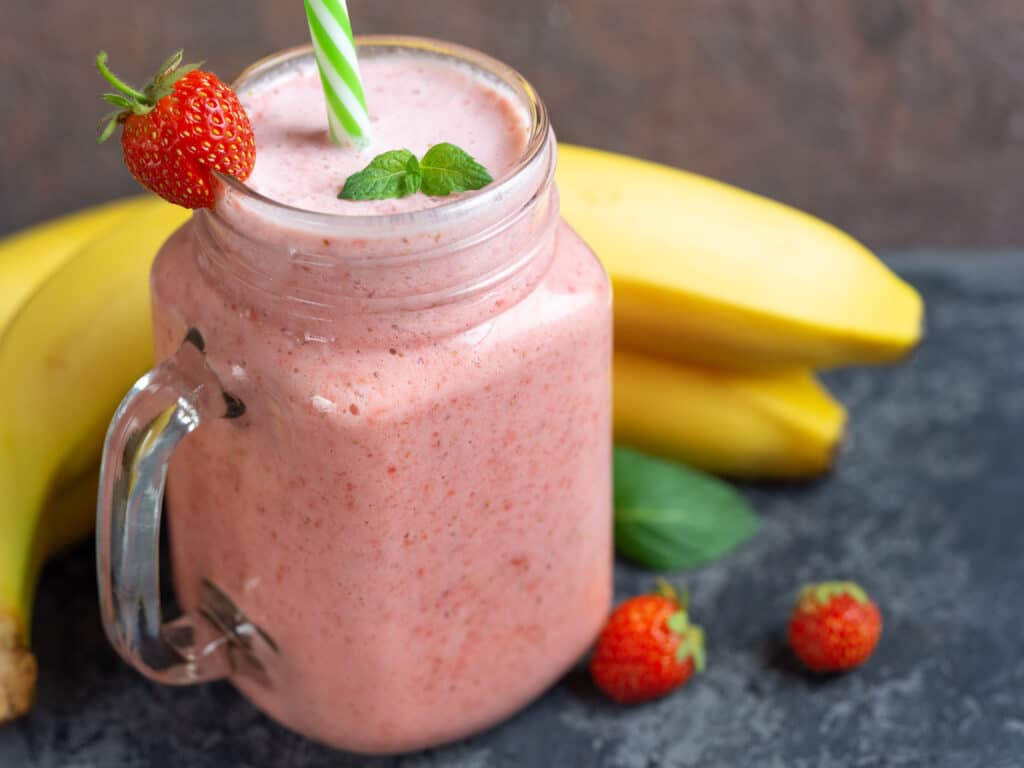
390, 522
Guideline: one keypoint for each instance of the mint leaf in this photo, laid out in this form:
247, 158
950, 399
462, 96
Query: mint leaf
444, 169
669, 517
392, 174
447, 169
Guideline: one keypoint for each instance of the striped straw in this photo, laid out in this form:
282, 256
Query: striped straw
331, 32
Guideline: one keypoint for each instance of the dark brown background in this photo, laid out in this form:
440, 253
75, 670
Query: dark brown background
900, 120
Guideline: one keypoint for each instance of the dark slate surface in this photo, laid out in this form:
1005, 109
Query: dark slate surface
925, 510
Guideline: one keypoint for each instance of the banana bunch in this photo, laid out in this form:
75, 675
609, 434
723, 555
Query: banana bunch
74, 335
724, 303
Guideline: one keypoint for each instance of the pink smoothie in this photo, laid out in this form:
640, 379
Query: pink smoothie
416, 505
414, 103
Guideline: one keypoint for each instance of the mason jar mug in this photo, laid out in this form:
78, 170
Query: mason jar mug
386, 445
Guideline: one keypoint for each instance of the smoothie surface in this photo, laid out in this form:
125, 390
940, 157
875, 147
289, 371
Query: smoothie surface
415, 101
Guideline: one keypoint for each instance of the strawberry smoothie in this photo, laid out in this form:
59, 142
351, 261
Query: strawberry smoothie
415, 508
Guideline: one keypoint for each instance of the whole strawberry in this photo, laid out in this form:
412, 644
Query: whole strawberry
181, 127
647, 648
834, 626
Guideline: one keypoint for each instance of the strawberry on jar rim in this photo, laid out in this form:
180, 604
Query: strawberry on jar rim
180, 128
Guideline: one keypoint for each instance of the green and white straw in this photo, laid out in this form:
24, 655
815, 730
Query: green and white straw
335, 50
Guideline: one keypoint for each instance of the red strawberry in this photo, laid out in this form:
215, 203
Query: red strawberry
181, 127
647, 648
834, 626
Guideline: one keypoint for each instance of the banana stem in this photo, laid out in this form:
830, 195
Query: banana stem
17, 671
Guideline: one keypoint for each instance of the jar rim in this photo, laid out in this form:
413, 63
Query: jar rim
465, 205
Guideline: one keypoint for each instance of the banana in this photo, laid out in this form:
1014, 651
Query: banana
26, 260
29, 257
68, 518
708, 273
67, 357
763, 424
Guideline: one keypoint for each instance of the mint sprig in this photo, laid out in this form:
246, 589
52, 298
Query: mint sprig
392, 174
444, 170
668, 516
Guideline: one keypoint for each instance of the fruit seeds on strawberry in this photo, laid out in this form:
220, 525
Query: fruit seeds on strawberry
834, 626
178, 130
648, 648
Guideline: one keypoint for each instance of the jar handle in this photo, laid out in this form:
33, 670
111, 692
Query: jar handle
164, 406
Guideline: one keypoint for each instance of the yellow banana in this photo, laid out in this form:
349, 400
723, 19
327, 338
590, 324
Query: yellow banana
29, 257
67, 357
69, 516
763, 424
705, 272
26, 260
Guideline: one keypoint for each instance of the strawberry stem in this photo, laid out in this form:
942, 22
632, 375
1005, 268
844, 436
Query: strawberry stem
107, 127
823, 591
679, 595
172, 63
666, 590
115, 81
117, 100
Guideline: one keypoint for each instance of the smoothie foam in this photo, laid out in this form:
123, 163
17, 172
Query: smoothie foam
415, 101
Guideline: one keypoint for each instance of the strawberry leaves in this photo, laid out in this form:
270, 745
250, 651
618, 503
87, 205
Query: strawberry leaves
132, 101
